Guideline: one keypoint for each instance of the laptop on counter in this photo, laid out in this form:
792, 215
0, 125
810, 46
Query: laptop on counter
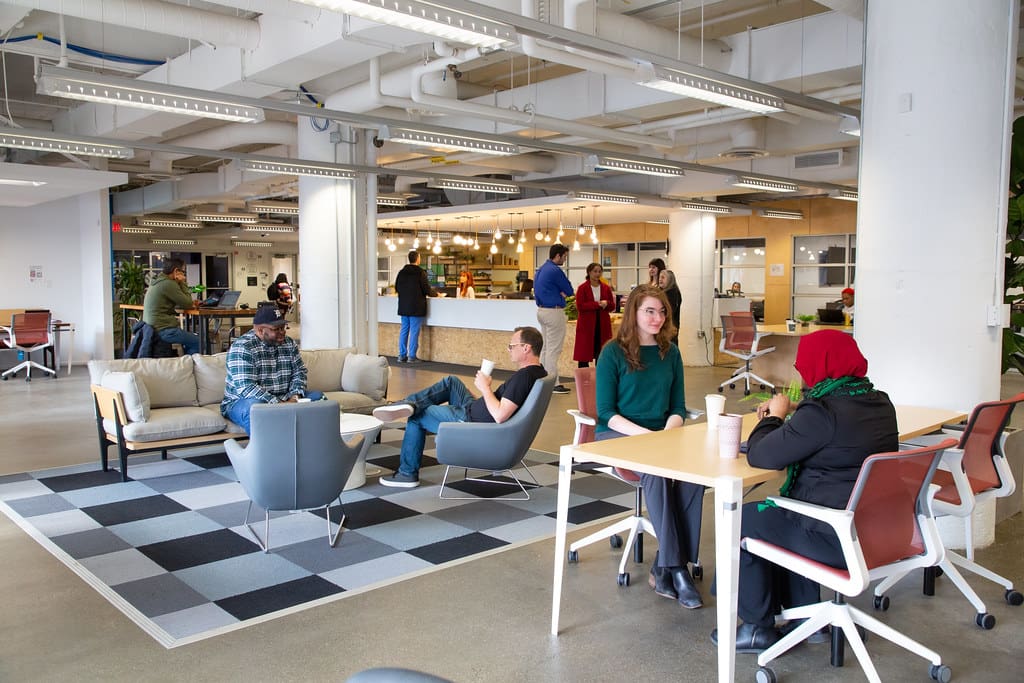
831, 316
230, 300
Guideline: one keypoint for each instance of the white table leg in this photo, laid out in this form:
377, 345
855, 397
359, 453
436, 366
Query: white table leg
728, 511
561, 526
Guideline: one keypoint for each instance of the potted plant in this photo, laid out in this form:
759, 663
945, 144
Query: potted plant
571, 312
129, 288
793, 391
805, 319
1013, 272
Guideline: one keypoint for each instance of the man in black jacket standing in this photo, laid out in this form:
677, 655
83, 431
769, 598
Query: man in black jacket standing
413, 289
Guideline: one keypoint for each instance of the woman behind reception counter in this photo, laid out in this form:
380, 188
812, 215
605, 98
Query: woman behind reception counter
594, 302
465, 290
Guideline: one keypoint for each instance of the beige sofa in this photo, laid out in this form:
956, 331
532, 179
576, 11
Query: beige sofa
151, 404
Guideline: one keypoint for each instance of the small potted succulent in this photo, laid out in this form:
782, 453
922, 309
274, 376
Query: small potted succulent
805, 319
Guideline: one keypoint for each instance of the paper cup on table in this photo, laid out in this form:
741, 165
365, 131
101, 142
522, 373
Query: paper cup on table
729, 428
487, 367
791, 325
714, 404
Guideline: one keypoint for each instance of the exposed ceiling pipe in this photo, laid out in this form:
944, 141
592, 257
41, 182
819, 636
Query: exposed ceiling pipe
296, 11
158, 17
231, 135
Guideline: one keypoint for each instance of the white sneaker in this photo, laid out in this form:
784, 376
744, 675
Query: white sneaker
395, 411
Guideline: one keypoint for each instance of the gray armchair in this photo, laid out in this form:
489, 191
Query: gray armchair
494, 447
295, 460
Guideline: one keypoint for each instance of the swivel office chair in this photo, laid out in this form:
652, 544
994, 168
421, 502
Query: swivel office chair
739, 340
973, 472
30, 332
887, 528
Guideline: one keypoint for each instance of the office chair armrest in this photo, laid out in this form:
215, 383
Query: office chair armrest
840, 520
582, 418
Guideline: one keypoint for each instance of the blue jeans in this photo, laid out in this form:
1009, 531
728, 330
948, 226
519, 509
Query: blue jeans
409, 336
176, 335
430, 414
238, 412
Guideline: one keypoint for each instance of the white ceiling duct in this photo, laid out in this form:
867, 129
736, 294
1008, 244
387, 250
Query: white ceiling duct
159, 17
269, 132
747, 141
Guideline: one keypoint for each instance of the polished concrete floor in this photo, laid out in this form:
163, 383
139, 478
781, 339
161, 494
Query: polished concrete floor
486, 620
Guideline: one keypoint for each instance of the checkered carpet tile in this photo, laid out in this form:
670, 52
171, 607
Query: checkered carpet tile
168, 548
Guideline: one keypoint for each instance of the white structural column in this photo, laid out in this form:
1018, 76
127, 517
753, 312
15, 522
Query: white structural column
333, 255
93, 330
938, 85
691, 257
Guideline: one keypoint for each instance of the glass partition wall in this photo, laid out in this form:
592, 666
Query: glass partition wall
823, 265
742, 261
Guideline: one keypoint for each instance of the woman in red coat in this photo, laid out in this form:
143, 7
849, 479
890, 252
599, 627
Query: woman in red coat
594, 301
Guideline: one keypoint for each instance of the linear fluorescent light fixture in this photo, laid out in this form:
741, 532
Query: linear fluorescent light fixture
850, 125
130, 230
174, 243
427, 17
180, 223
228, 217
269, 227
604, 197
761, 184
129, 92
476, 186
681, 83
641, 167
423, 138
276, 208
42, 141
383, 200
846, 195
706, 207
779, 213
298, 168
254, 245
660, 221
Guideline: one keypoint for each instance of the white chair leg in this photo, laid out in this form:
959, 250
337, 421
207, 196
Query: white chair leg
958, 580
983, 572
894, 636
333, 540
845, 622
640, 525
623, 525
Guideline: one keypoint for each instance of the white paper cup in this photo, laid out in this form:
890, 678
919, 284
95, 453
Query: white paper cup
487, 367
729, 428
791, 325
304, 400
714, 405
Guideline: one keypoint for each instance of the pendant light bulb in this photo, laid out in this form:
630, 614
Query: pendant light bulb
476, 245
437, 247
576, 244
416, 243
392, 247
494, 248
522, 236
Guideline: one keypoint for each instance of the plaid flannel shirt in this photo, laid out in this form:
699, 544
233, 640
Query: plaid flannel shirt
269, 374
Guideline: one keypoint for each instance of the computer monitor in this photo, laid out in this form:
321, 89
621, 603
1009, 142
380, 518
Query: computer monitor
830, 316
230, 299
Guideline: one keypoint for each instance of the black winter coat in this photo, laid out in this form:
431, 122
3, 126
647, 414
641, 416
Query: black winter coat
413, 289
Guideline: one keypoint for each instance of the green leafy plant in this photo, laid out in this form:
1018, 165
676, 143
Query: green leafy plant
1013, 342
571, 313
793, 391
130, 283
197, 289
805, 318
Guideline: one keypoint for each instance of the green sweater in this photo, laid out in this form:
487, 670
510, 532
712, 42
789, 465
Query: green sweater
647, 396
161, 298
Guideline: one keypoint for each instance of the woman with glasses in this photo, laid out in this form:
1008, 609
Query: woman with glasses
594, 302
640, 389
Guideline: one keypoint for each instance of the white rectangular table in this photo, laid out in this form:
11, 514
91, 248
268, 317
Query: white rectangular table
691, 454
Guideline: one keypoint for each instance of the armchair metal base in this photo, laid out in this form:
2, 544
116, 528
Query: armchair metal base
465, 477
332, 539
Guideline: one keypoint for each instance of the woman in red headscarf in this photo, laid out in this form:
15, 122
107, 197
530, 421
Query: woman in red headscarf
840, 422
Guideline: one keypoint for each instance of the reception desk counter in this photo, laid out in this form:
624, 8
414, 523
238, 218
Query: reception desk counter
463, 331
777, 366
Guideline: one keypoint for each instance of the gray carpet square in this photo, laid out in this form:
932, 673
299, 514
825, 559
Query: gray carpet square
160, 594
352, 547
241, 574
482, 515
88, 543
40, 505
193, 479
165, 528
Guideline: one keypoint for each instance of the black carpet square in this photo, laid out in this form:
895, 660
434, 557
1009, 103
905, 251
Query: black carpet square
456, 548
489, 488
211, 461
363, 513
273, 598
133, 510
191, 551
82, 480
588, 512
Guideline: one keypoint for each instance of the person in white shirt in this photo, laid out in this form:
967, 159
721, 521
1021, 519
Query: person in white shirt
847, 299
465, 290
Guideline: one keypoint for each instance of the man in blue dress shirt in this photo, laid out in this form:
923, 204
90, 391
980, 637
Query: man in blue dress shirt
550, 287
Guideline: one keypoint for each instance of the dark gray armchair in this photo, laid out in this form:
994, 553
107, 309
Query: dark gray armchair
295, 460
494, 447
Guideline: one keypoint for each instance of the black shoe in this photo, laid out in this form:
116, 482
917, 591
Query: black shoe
751, 639
686, 592
560, 389
402, 359
413, 359
661, 581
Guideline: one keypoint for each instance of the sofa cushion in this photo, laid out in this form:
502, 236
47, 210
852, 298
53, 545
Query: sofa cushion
351, 402
211, 373
172, 423
231, 427
365, 375
133, 393
323, 368
170, 381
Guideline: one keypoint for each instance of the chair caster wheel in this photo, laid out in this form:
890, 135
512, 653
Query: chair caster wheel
763, 387
574, 556
697, 572
985, 620
938, 571
720, 389
28, 379
732, 386
615, 541
623, 579
746, 392
765, 675
1014, 597
882, 602
940, 672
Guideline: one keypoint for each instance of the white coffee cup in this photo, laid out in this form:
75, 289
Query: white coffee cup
729, 428
304, 400
791, 325
714, 405
487, 367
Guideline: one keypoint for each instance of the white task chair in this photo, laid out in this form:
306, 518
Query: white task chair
739, 340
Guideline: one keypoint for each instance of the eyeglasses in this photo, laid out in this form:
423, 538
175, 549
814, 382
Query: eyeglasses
515, 344
654, 311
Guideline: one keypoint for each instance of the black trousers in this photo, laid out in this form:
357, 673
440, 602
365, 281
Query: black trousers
765, 588
675, 511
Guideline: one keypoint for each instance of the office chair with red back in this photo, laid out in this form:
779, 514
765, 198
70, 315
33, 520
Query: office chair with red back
973, 472
887, 528
739, 340
586, 419
30, 331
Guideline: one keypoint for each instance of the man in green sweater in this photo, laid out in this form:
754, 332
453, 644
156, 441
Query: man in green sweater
168, 291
